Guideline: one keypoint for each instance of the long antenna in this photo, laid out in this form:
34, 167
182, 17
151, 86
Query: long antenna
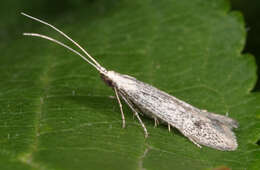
64, 45
66, 36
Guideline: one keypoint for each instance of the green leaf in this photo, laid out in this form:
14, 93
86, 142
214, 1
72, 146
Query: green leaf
56, 113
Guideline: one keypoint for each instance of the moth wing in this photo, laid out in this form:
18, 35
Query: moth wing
201, 127
221, 118
211, 130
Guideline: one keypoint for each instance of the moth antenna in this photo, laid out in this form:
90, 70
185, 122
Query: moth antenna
65, 35
64, 45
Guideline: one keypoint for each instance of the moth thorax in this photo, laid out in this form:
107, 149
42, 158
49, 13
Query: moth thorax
114, 79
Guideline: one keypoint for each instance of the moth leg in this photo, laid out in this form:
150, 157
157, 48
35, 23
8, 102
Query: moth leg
169, 127
121, 108
136, 114
227, 114
156, 122
194, 142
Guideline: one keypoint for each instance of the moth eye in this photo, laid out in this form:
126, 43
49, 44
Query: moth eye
108, 81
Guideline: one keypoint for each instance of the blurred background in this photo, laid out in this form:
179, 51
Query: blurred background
251, 12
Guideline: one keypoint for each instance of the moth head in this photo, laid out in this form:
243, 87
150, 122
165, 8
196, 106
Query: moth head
108, 78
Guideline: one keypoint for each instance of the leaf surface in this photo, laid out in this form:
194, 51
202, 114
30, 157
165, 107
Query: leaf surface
56, 113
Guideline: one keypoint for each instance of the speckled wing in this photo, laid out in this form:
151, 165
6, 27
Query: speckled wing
200, 126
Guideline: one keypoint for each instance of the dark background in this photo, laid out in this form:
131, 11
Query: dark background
251, 12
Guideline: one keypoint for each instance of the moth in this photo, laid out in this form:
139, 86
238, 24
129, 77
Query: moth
199, 126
